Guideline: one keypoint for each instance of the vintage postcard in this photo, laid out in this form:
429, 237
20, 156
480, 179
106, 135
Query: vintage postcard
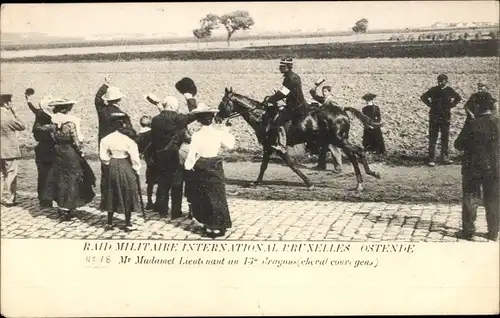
249, 158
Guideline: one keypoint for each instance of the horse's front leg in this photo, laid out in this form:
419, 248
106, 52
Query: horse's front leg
286, 157
263, 166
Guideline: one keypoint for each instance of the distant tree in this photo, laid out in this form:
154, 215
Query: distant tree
478, 35
234, 21
466, 35
494, 35
411, 37
201, 33
210, 22
360, 26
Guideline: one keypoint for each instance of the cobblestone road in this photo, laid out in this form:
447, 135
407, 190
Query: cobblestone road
254, 220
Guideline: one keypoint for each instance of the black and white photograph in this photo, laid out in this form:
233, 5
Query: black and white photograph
259, 122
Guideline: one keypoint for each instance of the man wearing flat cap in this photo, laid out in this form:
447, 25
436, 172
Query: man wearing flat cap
9, 148
291, 91
479, 102
440, 99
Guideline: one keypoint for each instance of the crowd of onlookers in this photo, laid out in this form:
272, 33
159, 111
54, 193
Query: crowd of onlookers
65, 177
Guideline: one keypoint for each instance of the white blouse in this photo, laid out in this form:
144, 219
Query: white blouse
119, 146
206, 143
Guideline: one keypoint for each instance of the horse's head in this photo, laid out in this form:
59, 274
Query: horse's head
226, 106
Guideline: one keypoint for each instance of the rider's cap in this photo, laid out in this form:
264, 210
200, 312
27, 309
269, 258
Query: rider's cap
288, 61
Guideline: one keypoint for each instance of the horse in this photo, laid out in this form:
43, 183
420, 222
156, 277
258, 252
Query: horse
321, 128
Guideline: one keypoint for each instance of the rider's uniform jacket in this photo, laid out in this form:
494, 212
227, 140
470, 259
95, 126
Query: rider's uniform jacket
291, 91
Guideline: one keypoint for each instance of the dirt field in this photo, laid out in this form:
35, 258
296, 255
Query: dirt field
416, 184
397, 82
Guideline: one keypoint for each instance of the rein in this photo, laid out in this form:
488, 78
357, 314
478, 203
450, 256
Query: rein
236, 114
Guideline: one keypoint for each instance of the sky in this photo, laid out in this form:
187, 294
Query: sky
82, 19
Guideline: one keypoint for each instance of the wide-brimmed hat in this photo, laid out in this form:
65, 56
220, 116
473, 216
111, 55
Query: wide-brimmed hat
202, 108
61, 102
113, 93
369, 97
152, 98
482, 84
5, 98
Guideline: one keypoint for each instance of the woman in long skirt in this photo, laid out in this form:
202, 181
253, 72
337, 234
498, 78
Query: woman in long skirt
120, 153
373, 139
70, 180
204, 175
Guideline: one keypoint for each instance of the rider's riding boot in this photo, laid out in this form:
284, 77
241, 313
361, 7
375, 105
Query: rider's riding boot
281, 144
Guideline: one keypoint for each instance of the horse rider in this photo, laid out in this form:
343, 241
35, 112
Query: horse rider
295, 102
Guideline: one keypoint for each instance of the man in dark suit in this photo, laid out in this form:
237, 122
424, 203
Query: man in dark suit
291, 91
168, 132
9, 148
44, 150
479, 139
440, 99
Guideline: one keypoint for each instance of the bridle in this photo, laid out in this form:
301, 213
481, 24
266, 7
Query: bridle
234, 114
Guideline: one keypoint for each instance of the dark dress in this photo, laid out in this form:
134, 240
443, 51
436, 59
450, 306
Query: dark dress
206, 191
70, 180
44, 150
373, 140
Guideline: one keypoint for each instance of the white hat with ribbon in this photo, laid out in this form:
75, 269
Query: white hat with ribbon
60, 102
203, 108
113, 93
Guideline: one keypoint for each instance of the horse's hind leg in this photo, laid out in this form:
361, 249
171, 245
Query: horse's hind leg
350, 152
362, 157
286, 157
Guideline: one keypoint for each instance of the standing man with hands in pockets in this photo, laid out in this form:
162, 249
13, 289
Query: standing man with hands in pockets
440, 99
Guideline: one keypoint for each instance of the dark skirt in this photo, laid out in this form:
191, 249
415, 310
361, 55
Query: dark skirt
373, 141
206, 192
121, 192
70, 180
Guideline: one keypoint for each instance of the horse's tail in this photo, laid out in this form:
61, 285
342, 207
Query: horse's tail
367, 121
